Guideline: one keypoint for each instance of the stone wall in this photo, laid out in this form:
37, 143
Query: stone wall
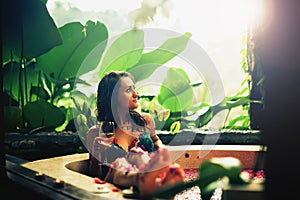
51, 144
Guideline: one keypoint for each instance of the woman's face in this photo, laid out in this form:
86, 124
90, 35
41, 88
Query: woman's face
128, 98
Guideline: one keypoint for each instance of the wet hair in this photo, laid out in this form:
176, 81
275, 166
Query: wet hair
107, 94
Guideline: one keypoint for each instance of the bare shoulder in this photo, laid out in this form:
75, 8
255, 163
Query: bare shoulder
147, 117
150, 122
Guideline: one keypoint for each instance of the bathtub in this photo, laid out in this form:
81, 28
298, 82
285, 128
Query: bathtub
66, 177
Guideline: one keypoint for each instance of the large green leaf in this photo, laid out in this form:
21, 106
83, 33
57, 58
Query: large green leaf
205, 117
176, 92
235, 102
28, 29
150, 61
6, 54
124, 52
179, 102
12, 118
72, 58
218, 167
11, 79
38, 92
41, 113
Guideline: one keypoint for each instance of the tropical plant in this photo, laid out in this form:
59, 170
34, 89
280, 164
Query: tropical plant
173, 108
52, 75
83, 113
80, 53
43, 65
26, 35
41, 62
39, 81
127, 53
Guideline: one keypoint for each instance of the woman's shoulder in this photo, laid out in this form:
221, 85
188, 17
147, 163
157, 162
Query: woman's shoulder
147, 116
150, 122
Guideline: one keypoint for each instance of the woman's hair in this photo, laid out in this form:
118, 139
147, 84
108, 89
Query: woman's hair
107, 95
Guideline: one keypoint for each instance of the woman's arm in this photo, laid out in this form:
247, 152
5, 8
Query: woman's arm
152, 130
90, 136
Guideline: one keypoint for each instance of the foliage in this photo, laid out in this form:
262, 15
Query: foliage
43, 64
52, 76
44, 79
67, 60
26, 35
127, 53
152, 60
83, 113
176, 99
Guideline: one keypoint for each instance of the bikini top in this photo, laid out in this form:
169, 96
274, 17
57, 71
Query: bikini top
145, 142
115, 151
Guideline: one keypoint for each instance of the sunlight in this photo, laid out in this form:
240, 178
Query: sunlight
98, 5
214, 19
206, 19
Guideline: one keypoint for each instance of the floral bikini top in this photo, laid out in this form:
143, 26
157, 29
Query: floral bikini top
144, 141
115, 151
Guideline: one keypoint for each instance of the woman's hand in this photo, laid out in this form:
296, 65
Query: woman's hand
174, 175
100, 144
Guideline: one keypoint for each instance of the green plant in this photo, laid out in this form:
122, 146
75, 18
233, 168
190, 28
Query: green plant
80, 53
26, 35
47, 79
175, 98
127, 53
41, 64
84, 113
52, 76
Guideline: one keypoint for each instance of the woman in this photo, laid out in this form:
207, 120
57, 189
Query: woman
124, 148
